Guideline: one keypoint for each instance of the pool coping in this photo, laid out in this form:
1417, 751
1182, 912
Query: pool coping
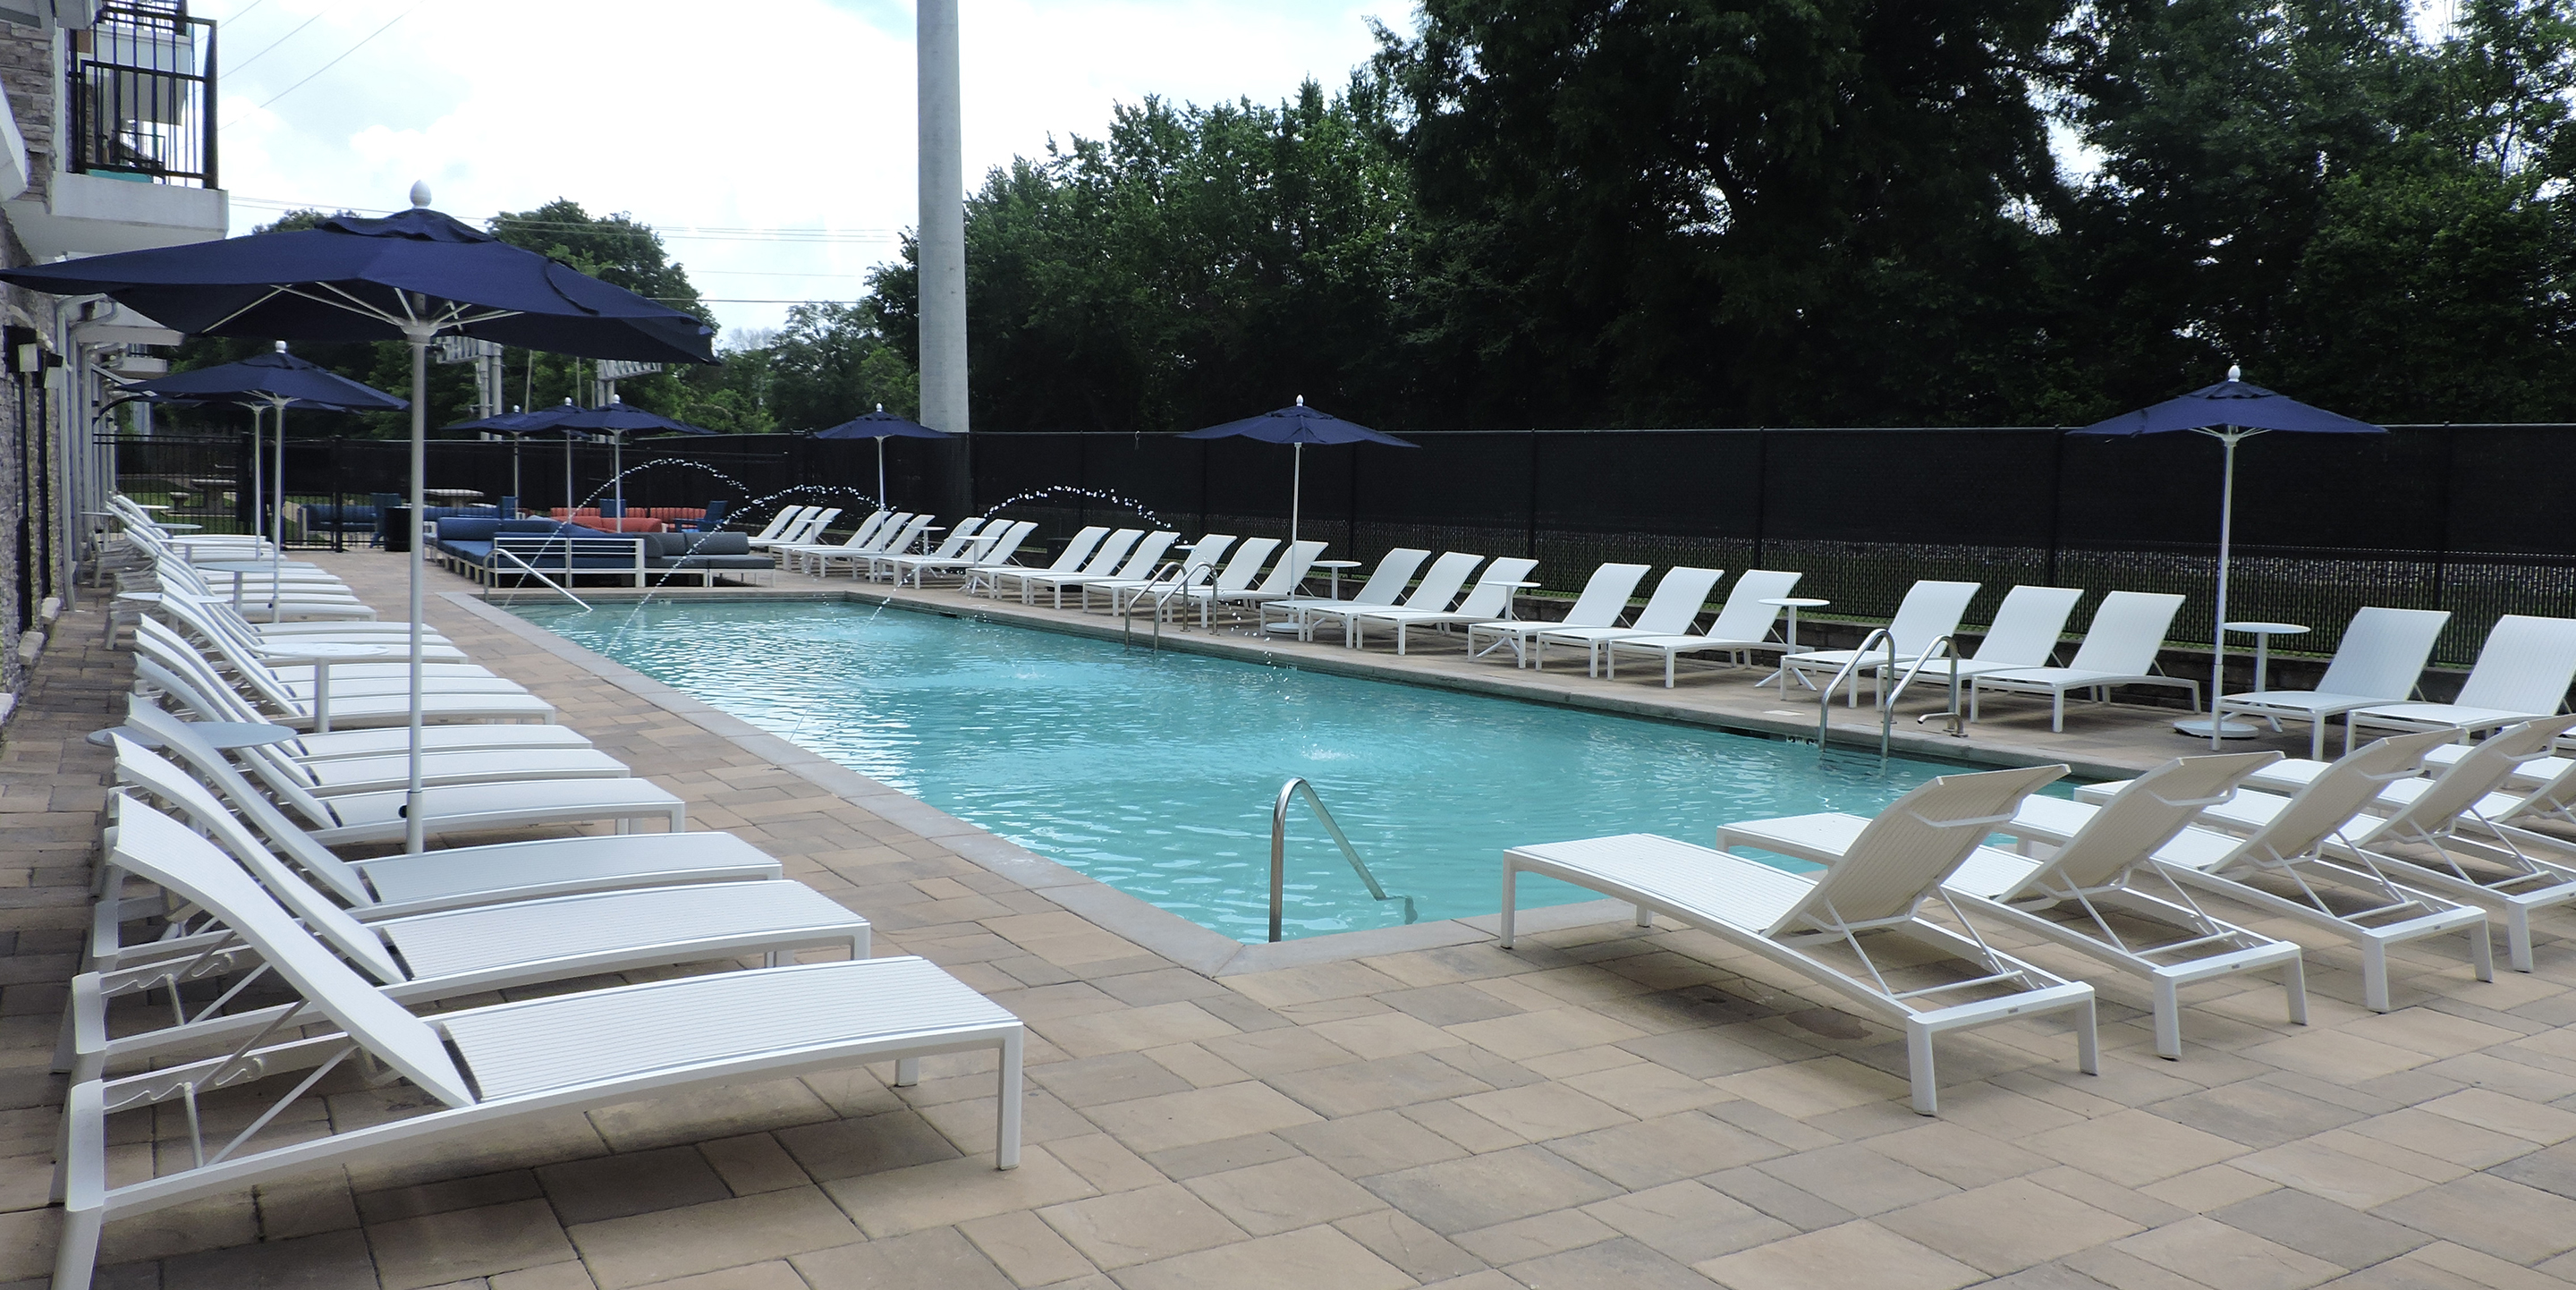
1147, 925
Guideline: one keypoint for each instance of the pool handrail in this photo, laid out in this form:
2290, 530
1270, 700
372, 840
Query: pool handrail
1825, 694
1279, 852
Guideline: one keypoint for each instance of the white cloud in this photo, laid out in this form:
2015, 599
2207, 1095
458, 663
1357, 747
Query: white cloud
800, 119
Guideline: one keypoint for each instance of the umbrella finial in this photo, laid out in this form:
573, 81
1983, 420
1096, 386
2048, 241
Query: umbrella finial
281, 347
2235, 373
420, 192
1301, 400
880, 407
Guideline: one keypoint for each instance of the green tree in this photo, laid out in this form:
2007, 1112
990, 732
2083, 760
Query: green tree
1195, 264
1704, 211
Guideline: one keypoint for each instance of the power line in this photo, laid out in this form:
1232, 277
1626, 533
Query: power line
265, 50
691, 232
389, 23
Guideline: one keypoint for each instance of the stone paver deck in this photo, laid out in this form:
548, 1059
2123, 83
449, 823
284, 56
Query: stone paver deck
1607, 1104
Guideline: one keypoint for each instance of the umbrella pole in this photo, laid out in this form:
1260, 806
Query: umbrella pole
258, 475
2218, 634
277, 523
567, 476
617, 473
1296, 494
881, 501
415, 838
514, 471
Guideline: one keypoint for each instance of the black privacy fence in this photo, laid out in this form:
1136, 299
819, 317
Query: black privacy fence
2479, 520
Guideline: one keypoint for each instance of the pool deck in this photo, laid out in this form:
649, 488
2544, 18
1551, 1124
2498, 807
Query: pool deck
1605, 1103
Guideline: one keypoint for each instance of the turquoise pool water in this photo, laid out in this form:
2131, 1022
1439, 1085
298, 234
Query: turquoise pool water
1155, 773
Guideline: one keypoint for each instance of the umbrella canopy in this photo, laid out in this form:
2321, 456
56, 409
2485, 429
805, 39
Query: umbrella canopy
348, 278
1300, 425
410, 277
2248, 409
264, 382
2230, 412
881, 425
617, 419
271, 379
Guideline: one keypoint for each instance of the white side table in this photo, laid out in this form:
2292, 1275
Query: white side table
1335, 567
1790, 638
2198, 727
322, 654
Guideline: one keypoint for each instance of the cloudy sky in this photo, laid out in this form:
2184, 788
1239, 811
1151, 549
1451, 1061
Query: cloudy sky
775, 155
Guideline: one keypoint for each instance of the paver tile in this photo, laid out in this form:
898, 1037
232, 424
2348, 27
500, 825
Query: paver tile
1689, 1221
2491, 1215
1283, 1195
1201, 1115
1481, 1191
2133, 1148
643, 1248
1620, 1262
1853, 1254
2007, 1226
1140, 1226
2213, 1254
435, 1248
938, 1259
1300, 1260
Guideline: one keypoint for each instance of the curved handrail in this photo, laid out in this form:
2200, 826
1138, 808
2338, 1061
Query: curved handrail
565, 592
1825, 696
1279, 851
1948, 646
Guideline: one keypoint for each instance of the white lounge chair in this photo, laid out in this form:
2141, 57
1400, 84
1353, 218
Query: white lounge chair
455, 808
1141, 559
1605, 597
897, 535
195, 619
881, 564
1192, 570
1491, 596
1742, 625
1437, 589
235, 815
2522, 672
351, 678
782, 521
2284, 867
218, 704
432, 957
2456, 834
350, 710
2027, 629
2380, 661
1669, 612
2119, 649
1930, 612
1385, 586
1066, 561
861, 539
1876, 889
807, 529
1249, 555
1102, 564
219, 611
1281, 584
2105, 871
489, 1067
995, 545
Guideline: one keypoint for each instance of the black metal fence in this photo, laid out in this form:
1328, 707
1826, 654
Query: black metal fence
140, 95
2479, 520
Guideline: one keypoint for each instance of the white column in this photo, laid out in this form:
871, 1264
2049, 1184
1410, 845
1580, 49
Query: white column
943, 222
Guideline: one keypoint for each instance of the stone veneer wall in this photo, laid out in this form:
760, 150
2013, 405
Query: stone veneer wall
31, 562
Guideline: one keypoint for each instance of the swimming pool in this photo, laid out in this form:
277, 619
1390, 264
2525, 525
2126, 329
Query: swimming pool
1155, 773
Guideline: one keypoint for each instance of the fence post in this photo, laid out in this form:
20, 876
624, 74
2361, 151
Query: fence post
1761, 488
339, 502
1529, 532
2056, 495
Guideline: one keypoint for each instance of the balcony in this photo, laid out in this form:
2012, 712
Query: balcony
134, 162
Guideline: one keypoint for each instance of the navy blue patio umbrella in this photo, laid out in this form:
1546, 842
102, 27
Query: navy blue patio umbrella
881, 425
270, 382
518, 423
2230, 412
614, 420
1299, 425
412, 277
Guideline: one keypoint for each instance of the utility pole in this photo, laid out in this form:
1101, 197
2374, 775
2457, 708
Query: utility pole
943, 242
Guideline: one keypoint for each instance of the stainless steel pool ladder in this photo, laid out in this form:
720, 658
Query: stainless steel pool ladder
1956, 717
1825, 696
1279, 851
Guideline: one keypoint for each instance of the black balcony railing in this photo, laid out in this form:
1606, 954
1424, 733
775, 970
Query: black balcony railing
141, 93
